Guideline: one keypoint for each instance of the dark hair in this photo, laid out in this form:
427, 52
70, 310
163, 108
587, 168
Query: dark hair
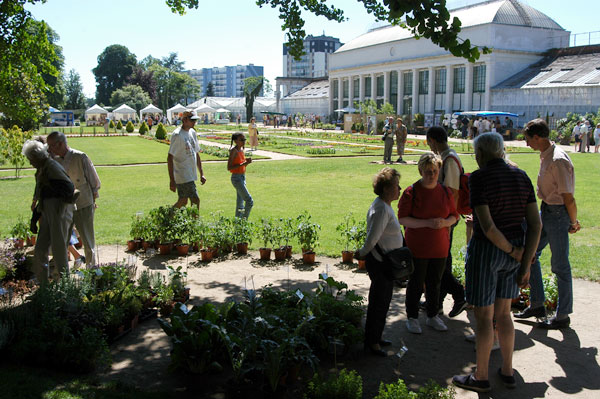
236, 136
57, 136
438, 134
537, 127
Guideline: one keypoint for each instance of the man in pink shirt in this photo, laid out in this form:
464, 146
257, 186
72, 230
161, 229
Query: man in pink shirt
555, 187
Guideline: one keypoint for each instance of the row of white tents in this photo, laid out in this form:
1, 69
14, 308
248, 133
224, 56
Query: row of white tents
208, 105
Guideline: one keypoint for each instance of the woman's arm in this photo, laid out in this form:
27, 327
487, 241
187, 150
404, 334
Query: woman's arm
232, 155
376, 223
494, 235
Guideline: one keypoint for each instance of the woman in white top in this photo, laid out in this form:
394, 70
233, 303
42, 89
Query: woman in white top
382, 229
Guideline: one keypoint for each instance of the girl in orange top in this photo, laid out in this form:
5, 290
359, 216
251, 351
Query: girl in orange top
237, 166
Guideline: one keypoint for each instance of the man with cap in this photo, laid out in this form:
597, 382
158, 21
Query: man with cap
182, 161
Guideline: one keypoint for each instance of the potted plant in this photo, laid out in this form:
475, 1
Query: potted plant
359, 240
266, 234
243, 231
135, 232
147, 232
20, 231
177, 279
288, 231
163, 219
308, 236
347, 230
202, 236
278, 234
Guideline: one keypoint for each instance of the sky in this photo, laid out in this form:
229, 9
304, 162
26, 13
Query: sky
224, 32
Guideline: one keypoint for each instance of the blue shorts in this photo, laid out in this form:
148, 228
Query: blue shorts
490, 273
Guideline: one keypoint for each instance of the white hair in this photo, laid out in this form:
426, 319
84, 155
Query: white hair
489, 145
35, 150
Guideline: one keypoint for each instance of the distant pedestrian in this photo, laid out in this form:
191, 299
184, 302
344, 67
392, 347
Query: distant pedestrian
597, 138
576, 135
389, 131
253, 134
236, 164
401, 135
182, 161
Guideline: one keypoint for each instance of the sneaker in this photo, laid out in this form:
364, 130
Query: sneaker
470, 383
555, 323
399, 159
538, 312
79, 262
413, 326
508, 380
436, 323
423, 306
458, 308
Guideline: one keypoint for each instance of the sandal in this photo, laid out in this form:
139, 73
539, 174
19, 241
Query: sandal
470, 383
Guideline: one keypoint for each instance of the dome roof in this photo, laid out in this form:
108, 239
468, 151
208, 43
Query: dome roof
504, 12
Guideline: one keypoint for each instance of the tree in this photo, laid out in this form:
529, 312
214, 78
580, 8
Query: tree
115, 65
144, 79
132, 95
11, 146
172, 63
252, 86
26, 56
210, 90
74, 91
424, 18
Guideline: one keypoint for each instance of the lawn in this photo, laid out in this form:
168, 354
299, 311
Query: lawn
327, 188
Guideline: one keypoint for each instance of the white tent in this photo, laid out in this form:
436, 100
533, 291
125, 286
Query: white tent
204, 109
175, 110
150, 109
95, 115
124, 113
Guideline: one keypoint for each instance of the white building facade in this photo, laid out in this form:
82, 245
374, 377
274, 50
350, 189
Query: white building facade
416, 76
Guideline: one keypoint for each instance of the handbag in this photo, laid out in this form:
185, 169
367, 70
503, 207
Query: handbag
384, 136
398, 261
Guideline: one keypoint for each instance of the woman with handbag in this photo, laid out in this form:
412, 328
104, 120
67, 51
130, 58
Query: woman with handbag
427, 211
253, 134
384, 231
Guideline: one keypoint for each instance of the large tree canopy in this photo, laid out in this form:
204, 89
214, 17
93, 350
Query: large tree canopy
424, 18
74, 91
115, 65
132, 95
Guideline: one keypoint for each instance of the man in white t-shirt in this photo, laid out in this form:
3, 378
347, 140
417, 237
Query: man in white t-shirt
182, 161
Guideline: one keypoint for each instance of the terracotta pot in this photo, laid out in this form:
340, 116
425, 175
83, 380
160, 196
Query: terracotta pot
182, 249
288, 251
195, 248
132, 245
242, 248
347, 256
308, 257
265, 253
167, 308
362, 264
280, 253
19, 242
31, 241
206, 254
164, 249
215, 252
147, 244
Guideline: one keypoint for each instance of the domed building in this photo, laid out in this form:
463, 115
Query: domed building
414, 75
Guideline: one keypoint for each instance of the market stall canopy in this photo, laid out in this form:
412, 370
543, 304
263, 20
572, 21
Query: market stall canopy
175, 110
124, 109
486, 113
347, 109
96, 109
221, 110
151, 109
52, 109
204, 109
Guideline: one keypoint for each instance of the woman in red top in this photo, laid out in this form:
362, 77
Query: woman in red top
237, 166
427, 211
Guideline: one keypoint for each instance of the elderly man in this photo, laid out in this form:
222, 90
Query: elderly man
82, 173
497, 261
182, 161
555, 187
53, 198
389, 130
401, 135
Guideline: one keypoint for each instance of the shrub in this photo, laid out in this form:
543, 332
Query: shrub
161, 132
111, 125
399, 390
119, 125
129, 127
346, 385
143, 128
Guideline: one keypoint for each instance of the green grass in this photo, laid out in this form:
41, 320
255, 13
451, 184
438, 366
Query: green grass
27, 382
328, 188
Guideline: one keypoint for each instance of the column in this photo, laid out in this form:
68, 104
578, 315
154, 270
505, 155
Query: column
373, 87
489, 78
277, 96
415, 93
400, 92
386, 87
351, 92
331, 108
469, 87
340, 93
431, 90
449, 88
361, 88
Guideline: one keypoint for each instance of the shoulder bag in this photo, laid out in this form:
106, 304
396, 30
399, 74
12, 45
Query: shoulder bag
399, 263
